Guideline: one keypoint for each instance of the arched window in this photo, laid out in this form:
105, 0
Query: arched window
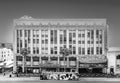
118, 57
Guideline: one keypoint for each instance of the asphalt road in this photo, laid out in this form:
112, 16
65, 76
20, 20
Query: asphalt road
55, 81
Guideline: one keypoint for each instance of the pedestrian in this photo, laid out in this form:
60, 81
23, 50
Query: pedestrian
10, 75
4, 74
58, 77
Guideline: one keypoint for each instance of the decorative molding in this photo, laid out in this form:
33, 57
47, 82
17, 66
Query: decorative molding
28, 20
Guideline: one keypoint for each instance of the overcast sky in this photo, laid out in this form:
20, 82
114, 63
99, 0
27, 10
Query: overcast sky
13, 9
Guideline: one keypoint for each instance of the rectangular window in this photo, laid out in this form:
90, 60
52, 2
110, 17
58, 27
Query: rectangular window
97, 42
55, 36
28, 49
74, 42
100, 50
88, 34
83, 42
74, 50
83, 51
97, 33
17, 33
70, 38
28, 40
74, 35
25, 31
51, 50
25, 43
88, 50
51, 40
60, 39
34, 41
37, 41
33, 50
65, 40
79, 42
83, 35
17, 50
37, 35
92, 50
52, 37
20, 33
21, 43
92, 34
92, 42
55, 52
46, 35
46, 41
28, 33
79, 35
97, 50
88, 42
42, 41
79, 50
42, 35
37, 50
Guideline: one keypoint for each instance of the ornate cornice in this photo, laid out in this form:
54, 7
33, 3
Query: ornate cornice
29, 21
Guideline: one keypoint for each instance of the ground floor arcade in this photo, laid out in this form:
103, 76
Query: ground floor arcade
88, 64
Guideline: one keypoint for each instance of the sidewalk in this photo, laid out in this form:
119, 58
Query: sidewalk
100, 79
4, 78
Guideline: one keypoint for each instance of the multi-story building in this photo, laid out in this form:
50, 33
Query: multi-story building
6, 45
6, 54
6, 58
44, 38
113, 60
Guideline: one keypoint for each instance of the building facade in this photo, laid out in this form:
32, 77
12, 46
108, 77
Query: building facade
6, 45
6, 54
44, 39
113, 60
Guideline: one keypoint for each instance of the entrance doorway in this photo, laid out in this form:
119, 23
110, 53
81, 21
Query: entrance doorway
97, 70
111, 70
83, 70
90, 70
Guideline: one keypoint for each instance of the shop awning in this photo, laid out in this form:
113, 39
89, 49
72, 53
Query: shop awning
93, 59
49, 64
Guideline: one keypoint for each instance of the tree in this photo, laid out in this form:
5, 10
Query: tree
24, 53
65, 52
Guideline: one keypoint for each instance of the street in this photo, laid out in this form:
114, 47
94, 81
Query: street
56, 81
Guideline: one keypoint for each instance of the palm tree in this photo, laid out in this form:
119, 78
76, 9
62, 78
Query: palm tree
65, 52
24, 53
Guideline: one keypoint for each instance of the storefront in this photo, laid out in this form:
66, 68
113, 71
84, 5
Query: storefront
92, 64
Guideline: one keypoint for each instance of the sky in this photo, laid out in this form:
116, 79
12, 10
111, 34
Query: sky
58, 9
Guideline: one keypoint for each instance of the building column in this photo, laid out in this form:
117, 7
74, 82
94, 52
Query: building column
85, 42
15, 50
67, 62
94, 42
49, 45
31, 42
58, 63
77, 64
31, 61
76, 42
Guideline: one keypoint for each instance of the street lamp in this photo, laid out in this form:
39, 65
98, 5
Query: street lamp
65, 52
77, 65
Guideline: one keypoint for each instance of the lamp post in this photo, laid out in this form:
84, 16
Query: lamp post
77, 66
65, 52
24, 52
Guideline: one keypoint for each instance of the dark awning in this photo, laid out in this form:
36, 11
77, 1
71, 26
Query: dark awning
93, 59
44, 58
49, 65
